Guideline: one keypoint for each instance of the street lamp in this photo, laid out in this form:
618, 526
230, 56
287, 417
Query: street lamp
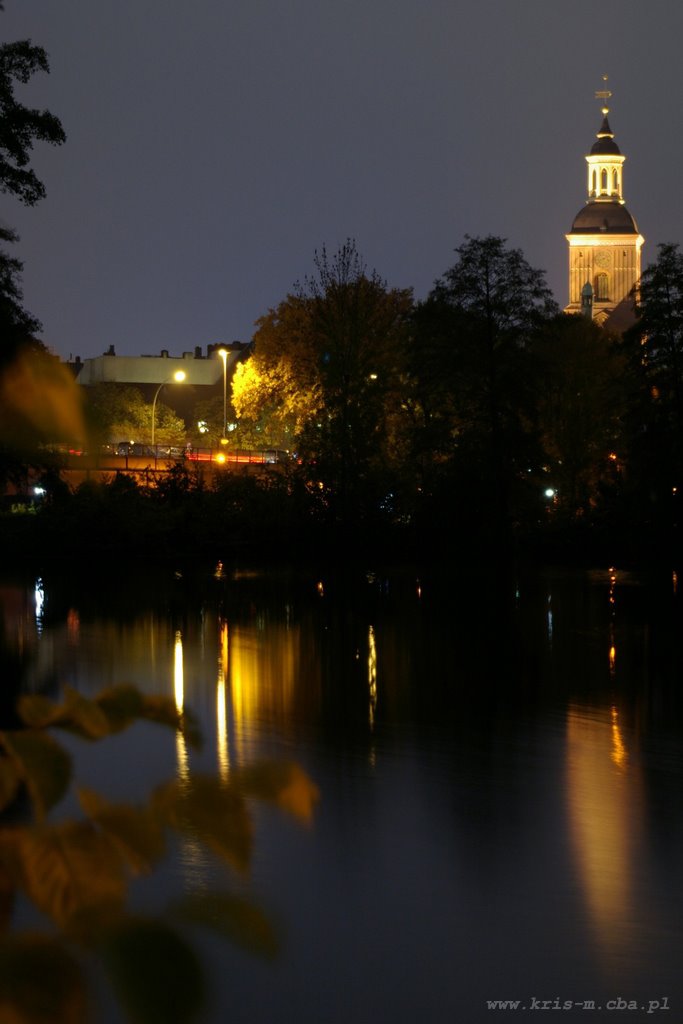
179, 377
223, 353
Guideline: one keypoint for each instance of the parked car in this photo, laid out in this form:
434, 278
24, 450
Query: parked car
133, 448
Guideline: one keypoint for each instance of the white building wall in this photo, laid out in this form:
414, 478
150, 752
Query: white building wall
154, 369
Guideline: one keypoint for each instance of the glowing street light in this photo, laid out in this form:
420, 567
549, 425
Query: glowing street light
223, 353
178, 377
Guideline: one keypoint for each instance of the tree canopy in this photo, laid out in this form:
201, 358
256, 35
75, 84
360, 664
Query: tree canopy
475, 379
325, 377
40, 400
121, 413
21, 126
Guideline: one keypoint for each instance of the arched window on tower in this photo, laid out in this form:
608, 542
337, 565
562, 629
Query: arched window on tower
594, 183
603, 180
601, 287
615, 181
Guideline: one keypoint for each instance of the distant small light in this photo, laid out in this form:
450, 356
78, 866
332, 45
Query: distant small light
220, 457
203, 427
39, 491
549, 492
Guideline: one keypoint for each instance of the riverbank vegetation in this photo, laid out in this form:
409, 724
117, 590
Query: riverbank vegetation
479, 422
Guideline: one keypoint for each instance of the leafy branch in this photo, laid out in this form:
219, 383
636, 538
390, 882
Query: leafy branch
76, 873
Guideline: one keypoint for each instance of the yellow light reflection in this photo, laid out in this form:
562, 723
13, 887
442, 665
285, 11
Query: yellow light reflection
222, 707
179, 694
604, 797
618, 748
192, 855
372, 674
262, 677
674, 581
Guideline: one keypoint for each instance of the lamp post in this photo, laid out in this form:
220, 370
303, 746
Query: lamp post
179, 377
223, 353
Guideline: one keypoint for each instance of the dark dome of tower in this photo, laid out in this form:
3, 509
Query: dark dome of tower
605, 143
610, 218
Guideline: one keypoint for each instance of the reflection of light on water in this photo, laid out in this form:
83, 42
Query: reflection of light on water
39, 593
192, 854
261, 678
372, 674
674, 581
221, 706
73, 626
179, 694
550, 617
612, 660
604, 801
320, 588
618, 748
178, 679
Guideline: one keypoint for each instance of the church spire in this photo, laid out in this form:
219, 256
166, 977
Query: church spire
605, 161
604, 241
604, 95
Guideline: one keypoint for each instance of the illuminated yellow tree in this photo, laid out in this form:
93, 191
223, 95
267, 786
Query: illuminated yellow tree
279, 389
327, 372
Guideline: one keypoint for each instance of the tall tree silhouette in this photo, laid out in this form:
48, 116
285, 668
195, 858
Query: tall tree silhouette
494, 303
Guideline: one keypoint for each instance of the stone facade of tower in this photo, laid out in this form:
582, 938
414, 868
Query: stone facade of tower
604, 241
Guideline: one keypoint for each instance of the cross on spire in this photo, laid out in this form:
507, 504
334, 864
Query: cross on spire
604, 95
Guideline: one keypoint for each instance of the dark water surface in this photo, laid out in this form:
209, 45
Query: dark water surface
499, 761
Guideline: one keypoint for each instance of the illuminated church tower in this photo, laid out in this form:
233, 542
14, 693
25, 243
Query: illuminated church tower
604, 242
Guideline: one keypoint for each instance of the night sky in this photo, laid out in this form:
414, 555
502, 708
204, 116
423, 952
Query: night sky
214, 145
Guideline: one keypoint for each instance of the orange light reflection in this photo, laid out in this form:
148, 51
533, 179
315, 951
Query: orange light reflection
604, 797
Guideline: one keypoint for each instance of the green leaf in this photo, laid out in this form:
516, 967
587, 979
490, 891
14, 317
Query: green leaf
280, 782
36, 711
9, 781
76, 713
83, 716
208, 810
111, 711
121, 704
42, 764
136, 832
125, 704
7, 891
155, 973
158, 708
40, 982
233, 918
70, 869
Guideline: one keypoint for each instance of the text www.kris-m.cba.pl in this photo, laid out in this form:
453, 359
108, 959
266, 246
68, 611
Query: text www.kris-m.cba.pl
649, 1006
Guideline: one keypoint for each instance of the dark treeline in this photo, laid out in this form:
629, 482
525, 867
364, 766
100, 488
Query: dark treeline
479, 422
